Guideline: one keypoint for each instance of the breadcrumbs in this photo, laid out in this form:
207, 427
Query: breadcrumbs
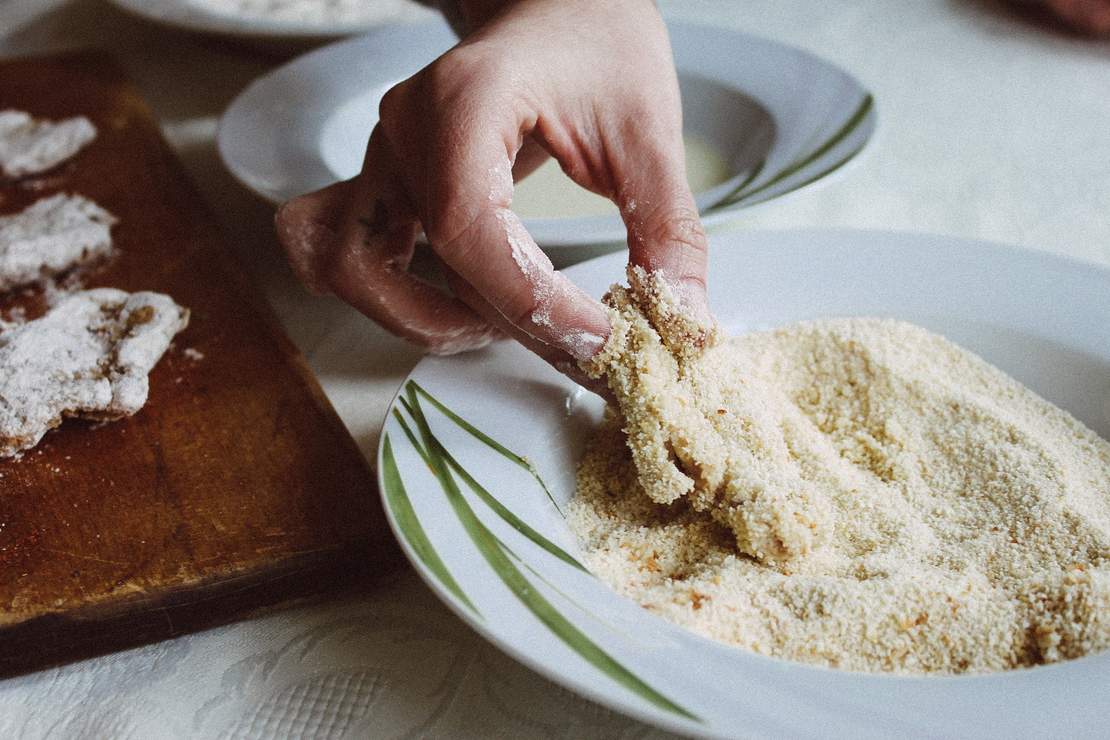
854, 493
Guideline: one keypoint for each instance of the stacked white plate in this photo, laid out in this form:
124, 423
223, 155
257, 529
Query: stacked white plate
779, 118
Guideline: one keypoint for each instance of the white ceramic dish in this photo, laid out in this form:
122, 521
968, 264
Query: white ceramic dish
274, 34
780, 117
488, 538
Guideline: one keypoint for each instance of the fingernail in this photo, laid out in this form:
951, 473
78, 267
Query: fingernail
692, 301
461, 340
582, 345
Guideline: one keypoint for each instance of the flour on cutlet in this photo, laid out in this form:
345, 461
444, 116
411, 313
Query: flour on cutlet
89, 356
29, 145
51, 236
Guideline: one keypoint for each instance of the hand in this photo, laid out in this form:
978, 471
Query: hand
591, 83
1088, 16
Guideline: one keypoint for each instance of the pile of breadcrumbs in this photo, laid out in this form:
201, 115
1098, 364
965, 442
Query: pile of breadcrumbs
856, 493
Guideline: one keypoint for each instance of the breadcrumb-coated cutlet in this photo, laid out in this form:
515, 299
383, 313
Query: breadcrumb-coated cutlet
856, 493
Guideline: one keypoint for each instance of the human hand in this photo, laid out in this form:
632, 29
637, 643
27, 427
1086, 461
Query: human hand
591, 83
1088, 16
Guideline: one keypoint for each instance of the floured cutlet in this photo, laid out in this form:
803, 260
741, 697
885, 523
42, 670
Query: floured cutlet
51, 236
29, 145
88, 357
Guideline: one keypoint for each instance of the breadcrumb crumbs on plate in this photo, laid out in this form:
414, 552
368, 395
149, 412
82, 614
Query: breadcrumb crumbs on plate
854, 493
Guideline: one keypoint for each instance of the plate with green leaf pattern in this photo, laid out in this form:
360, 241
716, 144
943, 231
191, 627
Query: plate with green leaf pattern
478, 454
763, 119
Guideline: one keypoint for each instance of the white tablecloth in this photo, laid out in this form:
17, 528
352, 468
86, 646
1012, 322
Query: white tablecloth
989, 126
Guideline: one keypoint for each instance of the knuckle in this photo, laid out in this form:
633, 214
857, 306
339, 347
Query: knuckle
398, 108
674, 240
465, 85
463, 66
653, 116
449, 234
394, 107
439, 79
656, 118
519, 308
678, 228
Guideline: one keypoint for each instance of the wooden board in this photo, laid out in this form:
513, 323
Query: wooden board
236, 487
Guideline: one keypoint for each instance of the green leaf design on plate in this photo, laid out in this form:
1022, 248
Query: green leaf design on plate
409, 525
485, 438
479, 490
857, 117
408, 432
733, 196
831, 168
512, 519
494, 553
507, 515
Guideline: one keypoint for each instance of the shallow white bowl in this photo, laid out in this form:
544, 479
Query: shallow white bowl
1043, 319
780, 118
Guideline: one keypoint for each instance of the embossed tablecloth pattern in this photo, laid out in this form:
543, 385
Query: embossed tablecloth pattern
989, 127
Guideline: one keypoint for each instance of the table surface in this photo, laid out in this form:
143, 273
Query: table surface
991, 125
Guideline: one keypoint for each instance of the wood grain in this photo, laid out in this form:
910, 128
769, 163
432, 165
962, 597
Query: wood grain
235, 488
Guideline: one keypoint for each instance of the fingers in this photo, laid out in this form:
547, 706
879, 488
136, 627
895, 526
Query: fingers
445, 153
557, 358
458, 171
1088, 16
498, 257
459, 174
468, 222
665, 235
307, 227
356, 239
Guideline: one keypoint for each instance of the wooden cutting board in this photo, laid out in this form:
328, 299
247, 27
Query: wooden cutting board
236, 487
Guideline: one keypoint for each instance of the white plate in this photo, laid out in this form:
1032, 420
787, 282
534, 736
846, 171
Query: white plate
275, 34
780, 117
1043, 319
